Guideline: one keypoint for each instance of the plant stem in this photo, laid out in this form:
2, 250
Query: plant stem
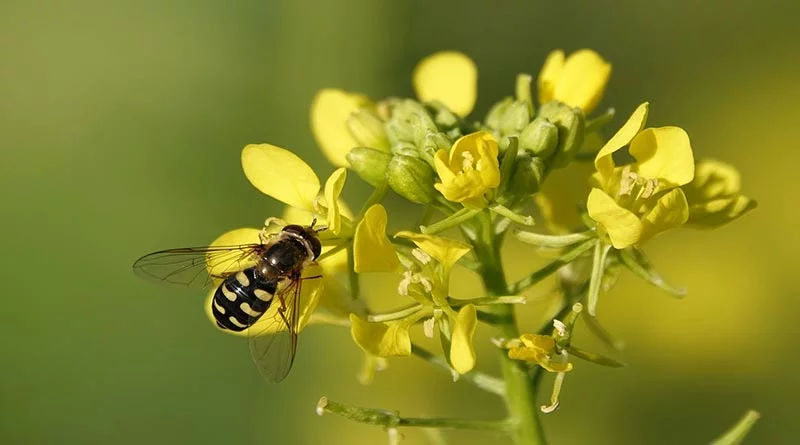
520, 394
392, 419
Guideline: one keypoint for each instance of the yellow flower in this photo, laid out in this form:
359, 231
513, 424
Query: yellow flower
448, 77
714, 196
578, 80
469, 170
538, 349
427, 282
635, 202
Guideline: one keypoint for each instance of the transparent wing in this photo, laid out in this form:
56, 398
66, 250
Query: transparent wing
273, 338
190, 266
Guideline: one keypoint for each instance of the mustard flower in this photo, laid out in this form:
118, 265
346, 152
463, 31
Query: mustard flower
469, 170
578, 80
539, 350
635, 202
427, 281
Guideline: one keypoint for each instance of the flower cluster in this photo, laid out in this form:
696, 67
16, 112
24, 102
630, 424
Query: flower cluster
481, 177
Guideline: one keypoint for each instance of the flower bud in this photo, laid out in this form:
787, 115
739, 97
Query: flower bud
495, 116
516, 117
412, 178
443, 117
435, 141
370, 164
571, 124
367, 129
539, 137
528, 173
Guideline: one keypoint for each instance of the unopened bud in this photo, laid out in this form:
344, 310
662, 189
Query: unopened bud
443, 117
516, 118
367, 129
496, 114
412, 178
370, 164
435, 141
571, 127
528, 174
540, 137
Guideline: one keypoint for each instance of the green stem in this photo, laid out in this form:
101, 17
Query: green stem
520, 394
392, 419
375, 198
479, 379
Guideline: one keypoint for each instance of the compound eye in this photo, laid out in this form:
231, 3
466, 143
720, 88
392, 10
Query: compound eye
316, 246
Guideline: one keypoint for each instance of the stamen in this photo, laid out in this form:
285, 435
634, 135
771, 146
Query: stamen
560, 327
402, 286
428, 325
426, 283
421, 256
468, 163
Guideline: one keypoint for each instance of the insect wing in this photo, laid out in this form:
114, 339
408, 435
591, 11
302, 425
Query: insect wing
196, 267
273, 338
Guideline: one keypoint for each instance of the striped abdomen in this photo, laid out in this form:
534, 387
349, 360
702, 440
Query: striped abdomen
241, 299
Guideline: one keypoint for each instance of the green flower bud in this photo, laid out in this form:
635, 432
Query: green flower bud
434, 142
443, 117
516, 117
571, 126
540, 137
412, 178
370, 164
528, 174
496, 114
367, 129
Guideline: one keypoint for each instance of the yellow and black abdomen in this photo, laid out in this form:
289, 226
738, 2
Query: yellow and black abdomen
242, 299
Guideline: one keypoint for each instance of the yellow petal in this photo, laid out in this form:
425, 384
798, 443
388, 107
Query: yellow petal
446, 251
549, 75
670, 211
267, 167
622, 226
603, 161
664, 154
582, 80
372, 250
462, 353
330, 110
389, 339
333, 188
448, 77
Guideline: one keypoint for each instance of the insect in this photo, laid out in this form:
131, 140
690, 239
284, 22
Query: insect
260, 288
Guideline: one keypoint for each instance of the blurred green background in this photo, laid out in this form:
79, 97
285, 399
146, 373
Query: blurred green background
121, 125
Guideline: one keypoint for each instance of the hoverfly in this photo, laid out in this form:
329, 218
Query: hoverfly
260, 288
